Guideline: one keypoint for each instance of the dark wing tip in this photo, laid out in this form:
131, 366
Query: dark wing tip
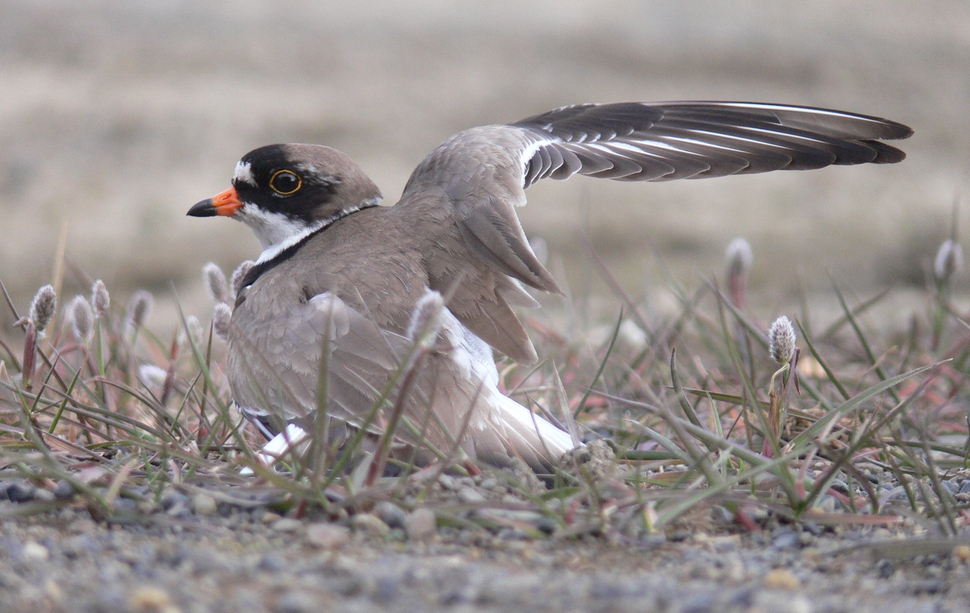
887, 154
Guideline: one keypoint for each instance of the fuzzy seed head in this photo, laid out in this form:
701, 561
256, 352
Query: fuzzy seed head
781, 340
949, 260
82, 319
139, 308
192, 329
739, 257
238, 275
152, 375
100, 299
426, 318
221, 317
42, 308
215, 282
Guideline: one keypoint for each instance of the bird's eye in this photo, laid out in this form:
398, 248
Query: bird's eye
285, 182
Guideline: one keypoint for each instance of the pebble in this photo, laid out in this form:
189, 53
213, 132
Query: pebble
369, 524
34, 551
391, 514
82, 544
21, 492
269, 517
297, 601
151, 599
124, 505
448, 482
64, 491
780, 579
286, 524
54, 593
781, 603
470, 495
785, 539
327, 536
175, 504
421, 525
42, 495
204, 505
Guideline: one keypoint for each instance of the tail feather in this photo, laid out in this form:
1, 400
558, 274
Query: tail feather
524, 434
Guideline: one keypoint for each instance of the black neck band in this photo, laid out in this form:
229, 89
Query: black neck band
260, 269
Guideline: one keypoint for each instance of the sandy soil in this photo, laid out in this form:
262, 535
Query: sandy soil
115, 117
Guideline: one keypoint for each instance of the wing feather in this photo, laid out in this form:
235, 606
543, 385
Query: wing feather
482, 175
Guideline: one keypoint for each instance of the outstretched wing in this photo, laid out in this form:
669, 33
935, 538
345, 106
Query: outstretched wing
483, 173
695, 140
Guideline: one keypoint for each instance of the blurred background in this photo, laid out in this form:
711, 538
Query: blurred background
116, 117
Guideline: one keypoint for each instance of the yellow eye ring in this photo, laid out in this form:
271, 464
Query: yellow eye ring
285, 182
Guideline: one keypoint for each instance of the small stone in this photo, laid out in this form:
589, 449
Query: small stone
547, 525
962, 553
151, 599
390, 514
287, 525
297, 601
35, 551
370, 524
884, 569
421, 525
780, 579
777, 602
828, 504
327, 536
447, 482
489, 484
125, 506
269, 517
785, 539
81, 545
53, 592
64, 491
271, 563
171, 498
175, 504
42, 495
21, 492
204, 505
469, 495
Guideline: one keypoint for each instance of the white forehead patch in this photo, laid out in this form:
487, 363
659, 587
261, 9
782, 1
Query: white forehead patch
244, 173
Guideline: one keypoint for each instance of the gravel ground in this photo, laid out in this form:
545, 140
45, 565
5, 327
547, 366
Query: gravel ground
226, 549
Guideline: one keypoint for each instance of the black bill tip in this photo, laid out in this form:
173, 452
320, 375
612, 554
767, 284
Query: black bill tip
203, 209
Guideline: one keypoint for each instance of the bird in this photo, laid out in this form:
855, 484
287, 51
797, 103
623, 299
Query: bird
324, 321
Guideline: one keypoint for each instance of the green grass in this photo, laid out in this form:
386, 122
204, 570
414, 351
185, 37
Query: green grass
858, 427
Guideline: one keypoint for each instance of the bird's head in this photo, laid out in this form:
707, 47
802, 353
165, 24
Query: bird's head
286, 191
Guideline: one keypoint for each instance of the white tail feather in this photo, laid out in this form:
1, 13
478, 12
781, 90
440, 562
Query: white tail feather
530, 436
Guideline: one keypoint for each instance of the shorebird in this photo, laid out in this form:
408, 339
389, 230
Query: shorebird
342, 278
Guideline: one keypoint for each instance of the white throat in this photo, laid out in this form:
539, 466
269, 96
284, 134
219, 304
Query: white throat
271, 251
277, 232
